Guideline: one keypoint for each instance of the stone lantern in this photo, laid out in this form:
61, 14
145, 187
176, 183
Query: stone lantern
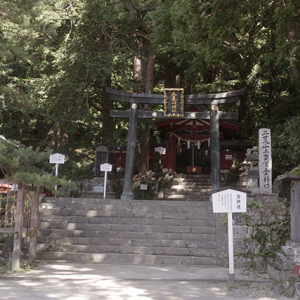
250, 171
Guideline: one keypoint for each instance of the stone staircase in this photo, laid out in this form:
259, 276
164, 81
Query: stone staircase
128, 232
188, 187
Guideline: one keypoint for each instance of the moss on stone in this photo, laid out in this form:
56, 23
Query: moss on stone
295, 171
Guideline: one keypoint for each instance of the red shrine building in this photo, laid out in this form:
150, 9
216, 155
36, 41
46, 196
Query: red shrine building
184, 145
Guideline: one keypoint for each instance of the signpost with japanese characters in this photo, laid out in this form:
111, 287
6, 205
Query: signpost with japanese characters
57, 159
230, 201
105, 168
265, 161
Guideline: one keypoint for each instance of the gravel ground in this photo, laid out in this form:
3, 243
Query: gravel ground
62, 280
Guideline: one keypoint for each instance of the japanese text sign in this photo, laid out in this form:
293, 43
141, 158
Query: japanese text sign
229, 201
265, 161
57, 158
105, 168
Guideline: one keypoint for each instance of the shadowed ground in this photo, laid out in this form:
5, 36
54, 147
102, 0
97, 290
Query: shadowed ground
75, 281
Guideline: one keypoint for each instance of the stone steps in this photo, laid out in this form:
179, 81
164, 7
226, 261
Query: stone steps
200, 219
95, 228
128, 234
128, 231
188, 197
109, 258
188, 187
174, 189
127, 242
144, 250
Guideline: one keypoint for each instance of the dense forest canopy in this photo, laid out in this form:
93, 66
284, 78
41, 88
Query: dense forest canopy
57, 57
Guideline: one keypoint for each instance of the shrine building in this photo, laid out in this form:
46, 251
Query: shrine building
185, 145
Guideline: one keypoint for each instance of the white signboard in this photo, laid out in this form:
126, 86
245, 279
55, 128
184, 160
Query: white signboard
98, 189
229, 201
144, 187
57, 158
105, 168
160, 150
265, 161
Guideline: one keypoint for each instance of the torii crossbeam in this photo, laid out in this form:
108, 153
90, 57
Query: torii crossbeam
174, 102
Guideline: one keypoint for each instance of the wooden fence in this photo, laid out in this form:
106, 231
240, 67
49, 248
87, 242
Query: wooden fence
19, 215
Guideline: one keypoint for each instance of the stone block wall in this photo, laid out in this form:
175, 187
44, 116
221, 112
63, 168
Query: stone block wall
261, 231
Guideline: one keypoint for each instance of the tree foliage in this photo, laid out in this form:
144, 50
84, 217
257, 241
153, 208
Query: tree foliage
57, 57
286, 140
25, 164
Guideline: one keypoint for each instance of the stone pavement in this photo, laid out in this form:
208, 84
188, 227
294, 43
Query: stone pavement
75, 281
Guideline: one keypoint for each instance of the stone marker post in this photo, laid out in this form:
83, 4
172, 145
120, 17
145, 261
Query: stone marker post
101, 158
215, 148
265, 161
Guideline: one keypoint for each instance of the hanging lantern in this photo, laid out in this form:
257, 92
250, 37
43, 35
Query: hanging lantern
179, 141
208, 142
188, 144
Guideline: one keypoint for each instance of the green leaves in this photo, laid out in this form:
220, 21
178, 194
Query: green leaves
56, 57
15, 158
25, 164
286, 150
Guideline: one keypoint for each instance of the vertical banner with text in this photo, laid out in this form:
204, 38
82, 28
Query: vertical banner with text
265, 161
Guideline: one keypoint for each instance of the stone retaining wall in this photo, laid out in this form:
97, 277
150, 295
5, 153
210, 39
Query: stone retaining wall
260, 233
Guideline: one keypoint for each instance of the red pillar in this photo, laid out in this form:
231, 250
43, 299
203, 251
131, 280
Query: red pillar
171, 153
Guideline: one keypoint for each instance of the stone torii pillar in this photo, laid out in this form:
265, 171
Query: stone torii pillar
215, 148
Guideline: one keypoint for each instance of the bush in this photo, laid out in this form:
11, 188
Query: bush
285, 145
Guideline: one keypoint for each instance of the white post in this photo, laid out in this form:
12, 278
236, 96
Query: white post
56, 174
230, 249
105, 180
230, 201
105, 168
56, 159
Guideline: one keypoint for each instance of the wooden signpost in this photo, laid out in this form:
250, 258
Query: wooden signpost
230, 201
105, 168
57, 159
174, 101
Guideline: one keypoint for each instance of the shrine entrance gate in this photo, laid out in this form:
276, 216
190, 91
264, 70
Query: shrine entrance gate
174, 102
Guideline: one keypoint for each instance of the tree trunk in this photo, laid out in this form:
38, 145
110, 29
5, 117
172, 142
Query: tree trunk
145, 132
244, 118
107, 122
144, 75
294, 72
171, 76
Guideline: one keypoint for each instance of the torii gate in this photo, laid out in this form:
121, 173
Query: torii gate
174, 101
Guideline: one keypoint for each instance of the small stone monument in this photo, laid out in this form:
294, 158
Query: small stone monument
94, 188
101, 158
